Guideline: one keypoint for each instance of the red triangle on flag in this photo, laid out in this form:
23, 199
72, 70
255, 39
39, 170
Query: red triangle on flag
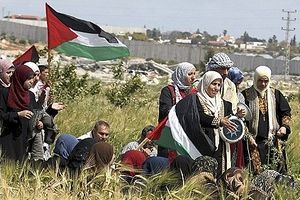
58, 32
31, 55
155, 134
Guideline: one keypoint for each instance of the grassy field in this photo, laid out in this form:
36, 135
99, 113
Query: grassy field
22, 182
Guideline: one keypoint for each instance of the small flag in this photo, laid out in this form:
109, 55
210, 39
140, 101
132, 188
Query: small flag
182, 130
76, 37
31, 55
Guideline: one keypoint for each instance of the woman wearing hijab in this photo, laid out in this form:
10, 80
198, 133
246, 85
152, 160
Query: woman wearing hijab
6, 70
237, 77
182, 166
181, 86
270, 124
233, 181
214, 115
15, 111
80, 154
134, 159
64, 145
100, 156
154, 165
264, 185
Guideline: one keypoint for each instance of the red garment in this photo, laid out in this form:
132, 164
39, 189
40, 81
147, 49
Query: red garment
238, 147
134, 159
172, 154
18, 96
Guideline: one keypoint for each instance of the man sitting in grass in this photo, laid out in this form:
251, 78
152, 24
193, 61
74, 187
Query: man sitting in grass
100, 132
147, 148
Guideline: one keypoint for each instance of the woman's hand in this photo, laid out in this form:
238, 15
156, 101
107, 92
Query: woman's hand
241, 113
281, 132
25, 114
39, 125
58, 106
252, 141
226, 123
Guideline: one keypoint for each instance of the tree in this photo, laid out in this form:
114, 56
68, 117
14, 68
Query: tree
245, 37
154, 33
225, 32
274, 39
198, 31
293, 41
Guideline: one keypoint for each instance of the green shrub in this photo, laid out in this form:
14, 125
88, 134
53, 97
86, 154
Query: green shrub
68, 86
121, 94
22, 42
12, 38
118, 71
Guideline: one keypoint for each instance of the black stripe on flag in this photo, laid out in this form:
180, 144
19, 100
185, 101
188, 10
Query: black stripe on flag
187, 111
83, 26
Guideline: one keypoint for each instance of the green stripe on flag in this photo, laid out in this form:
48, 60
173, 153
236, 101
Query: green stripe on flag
166, 140
95, 53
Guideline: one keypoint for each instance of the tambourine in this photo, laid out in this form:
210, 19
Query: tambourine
232, 137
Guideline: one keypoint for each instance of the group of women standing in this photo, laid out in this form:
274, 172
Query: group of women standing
268, 127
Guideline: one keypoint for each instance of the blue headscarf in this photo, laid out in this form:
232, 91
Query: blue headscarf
235, 75
64, 145
154, 165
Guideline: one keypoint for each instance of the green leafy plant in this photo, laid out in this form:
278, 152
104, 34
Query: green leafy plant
121, 94
118, 71
68, 86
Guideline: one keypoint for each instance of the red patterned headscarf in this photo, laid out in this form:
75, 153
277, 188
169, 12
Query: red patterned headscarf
18, 96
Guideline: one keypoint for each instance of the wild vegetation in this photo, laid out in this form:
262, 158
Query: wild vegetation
83, 109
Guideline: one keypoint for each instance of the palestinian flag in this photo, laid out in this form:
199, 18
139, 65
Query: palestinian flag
76, 37
31, 55
182, 131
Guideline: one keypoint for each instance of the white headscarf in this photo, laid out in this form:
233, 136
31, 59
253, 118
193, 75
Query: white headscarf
261, 71
33, 66
264, 71
212, 103
180, 74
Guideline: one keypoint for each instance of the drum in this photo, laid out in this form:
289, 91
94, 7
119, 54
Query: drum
232, 137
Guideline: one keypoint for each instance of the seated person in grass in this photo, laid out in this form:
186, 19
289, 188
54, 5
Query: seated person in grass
263, 186
79, 154
148, 148
100, 132
132, 162
100, 156
64, 145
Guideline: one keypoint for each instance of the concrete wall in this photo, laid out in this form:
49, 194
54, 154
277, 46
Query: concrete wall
24, 31
249, 63
175, 52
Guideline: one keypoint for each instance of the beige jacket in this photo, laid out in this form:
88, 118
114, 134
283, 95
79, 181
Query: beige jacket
229, 93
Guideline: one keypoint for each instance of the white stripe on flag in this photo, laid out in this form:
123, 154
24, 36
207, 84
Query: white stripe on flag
93, 40
180, 136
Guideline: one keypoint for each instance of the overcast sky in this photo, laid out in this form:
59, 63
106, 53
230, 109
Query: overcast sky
260, 18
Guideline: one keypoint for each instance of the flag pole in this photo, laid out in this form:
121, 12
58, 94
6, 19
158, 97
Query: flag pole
143, 143
49, 57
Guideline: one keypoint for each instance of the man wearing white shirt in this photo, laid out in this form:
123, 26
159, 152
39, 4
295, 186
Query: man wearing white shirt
100, 132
